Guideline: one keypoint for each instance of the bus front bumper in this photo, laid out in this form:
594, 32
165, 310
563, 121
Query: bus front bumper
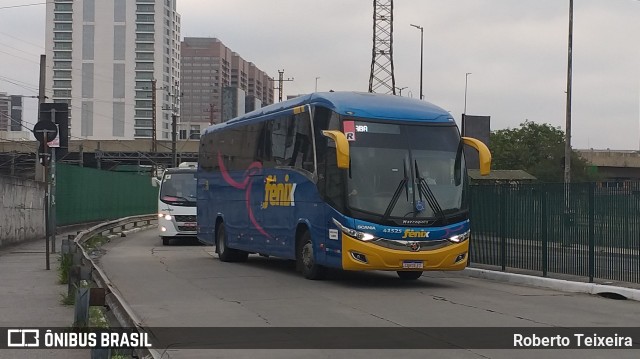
358, 255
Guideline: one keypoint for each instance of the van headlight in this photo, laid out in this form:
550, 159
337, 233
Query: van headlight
365, 237
459, 238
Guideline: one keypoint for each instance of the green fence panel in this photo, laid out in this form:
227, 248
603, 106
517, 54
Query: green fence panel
583, 229
87, 195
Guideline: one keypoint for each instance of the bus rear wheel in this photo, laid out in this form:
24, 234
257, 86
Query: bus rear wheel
409, 275
305, 260
225, 253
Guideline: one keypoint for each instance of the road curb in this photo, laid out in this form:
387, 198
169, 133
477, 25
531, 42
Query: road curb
551, 283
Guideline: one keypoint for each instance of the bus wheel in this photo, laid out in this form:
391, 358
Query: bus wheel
409, 275
225, 253
305, 261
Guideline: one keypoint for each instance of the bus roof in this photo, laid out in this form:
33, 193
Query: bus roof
356, 104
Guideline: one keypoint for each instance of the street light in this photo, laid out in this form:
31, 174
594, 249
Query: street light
421, 54
567, 142
466, 77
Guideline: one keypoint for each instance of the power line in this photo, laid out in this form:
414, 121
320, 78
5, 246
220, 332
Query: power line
40, 47
18, 122
24, 5
20, 57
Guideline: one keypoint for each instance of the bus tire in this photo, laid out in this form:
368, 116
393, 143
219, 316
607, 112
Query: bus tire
166, 241
409, 275
305, 261
225, 253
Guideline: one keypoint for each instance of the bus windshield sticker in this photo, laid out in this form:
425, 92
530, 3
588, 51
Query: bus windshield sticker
349, 130
333, 234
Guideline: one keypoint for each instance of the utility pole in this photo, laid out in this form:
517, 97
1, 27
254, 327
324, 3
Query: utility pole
567, 143
40, 176
43, 131
52, 193
212, 108
281, 81
47, 194
154, 147
174, 125
421, 55
174, 152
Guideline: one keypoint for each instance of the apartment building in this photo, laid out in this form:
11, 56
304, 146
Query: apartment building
209, 70
104, 58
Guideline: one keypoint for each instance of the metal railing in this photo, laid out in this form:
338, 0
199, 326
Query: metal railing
584, 230
85, 268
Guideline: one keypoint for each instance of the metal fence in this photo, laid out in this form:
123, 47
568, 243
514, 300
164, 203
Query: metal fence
588, 230
87, 195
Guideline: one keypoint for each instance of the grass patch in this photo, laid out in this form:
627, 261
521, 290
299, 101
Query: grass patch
95, 242
97, 318
68, 299
65, 261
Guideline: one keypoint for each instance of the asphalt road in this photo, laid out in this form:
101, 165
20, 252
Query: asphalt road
185, 285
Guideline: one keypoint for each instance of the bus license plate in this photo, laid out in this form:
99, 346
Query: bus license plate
413, 264
190, 224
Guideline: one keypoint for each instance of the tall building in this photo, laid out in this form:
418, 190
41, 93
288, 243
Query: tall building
209, 68
11, 125
5, 112
103, 58
16, 114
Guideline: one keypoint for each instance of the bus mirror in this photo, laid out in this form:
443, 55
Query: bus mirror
342, 147
484, 154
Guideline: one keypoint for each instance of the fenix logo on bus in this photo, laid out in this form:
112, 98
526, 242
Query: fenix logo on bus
279, 194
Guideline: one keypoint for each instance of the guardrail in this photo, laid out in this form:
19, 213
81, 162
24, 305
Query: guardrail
107, 295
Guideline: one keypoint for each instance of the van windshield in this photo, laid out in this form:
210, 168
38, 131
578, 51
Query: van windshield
179, 189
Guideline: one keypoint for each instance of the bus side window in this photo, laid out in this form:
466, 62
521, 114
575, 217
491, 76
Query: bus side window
302, 156
279, 141
263, 148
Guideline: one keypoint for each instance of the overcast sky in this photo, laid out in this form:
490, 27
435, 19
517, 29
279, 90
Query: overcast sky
516, 51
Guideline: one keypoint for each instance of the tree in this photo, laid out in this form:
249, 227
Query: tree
538, 150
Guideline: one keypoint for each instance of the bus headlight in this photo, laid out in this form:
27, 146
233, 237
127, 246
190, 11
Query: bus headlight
460, 237
365, 237
165, 216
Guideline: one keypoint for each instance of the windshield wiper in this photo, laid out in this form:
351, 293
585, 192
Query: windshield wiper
396, 194
425, 190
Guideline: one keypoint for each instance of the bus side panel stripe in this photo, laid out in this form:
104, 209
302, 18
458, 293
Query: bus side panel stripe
254, 168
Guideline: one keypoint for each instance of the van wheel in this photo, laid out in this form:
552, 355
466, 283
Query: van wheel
305, 260
409, 275
225, 253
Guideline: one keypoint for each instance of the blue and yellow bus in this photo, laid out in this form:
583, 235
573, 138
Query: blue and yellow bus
356, 181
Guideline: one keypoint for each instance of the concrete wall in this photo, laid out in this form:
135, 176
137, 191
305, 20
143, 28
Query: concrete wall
21, 210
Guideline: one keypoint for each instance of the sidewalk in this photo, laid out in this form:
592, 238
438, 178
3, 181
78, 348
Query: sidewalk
30, 296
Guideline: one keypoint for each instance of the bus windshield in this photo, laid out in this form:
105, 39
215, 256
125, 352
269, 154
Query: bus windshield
179, 189
405, 171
